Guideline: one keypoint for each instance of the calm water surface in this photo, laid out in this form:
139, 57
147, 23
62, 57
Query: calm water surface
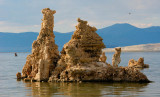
11, 87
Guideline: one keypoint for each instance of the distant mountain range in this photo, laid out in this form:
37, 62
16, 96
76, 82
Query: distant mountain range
113, 36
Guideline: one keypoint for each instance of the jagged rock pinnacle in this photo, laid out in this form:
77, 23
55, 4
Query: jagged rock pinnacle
45, 54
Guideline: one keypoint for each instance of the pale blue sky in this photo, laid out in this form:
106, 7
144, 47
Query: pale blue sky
25, 15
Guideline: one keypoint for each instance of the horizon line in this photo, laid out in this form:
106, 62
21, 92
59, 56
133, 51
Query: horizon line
97, 29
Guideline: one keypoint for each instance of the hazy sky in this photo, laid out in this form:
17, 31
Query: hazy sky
25, 15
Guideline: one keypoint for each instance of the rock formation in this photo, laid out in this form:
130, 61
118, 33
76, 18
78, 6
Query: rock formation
18, 75
103, 58
137, 64
85, 47
116, 59
80, 60
45, 54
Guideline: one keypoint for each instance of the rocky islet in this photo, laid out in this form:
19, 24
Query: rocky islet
80, 59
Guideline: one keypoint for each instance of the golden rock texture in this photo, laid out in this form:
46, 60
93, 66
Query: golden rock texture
45, 54
137, 64
99, 71
103, 58
80, 60
18, 75
116, 59
84, 47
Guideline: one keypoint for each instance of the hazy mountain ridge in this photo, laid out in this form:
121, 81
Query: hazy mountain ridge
113, 36
22, 42
126, 34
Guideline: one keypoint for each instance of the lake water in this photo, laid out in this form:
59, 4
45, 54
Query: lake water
11, 87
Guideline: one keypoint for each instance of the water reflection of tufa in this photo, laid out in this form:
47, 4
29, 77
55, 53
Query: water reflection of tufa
84, 89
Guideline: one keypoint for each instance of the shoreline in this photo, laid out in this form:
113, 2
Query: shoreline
131, 50
137, 48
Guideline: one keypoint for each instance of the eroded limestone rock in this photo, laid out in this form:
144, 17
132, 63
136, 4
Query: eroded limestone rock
18, 75
103, 58
137, 64
116, 59
45, 54
80, 60
84, 47
99, 71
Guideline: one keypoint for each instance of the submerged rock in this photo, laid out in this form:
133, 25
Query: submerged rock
45, 54
15, 54
18, 75
137, 64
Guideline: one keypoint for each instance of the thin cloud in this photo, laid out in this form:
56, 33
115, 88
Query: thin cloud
99, 13
16, 28
141, 25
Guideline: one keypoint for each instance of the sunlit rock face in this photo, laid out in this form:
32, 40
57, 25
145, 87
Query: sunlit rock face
116, 59
137, 64
80, 60
103, 58
45, 54
84, 48
85, 45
